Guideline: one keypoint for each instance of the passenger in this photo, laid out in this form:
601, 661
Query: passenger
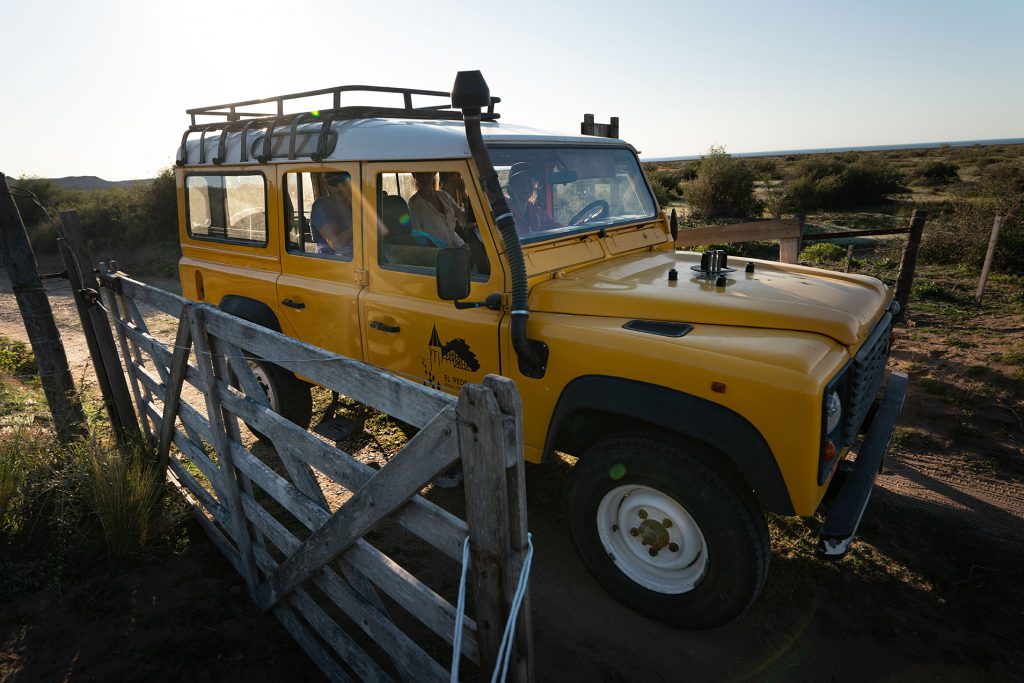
524, 200
331, 216
455, 186
435, 213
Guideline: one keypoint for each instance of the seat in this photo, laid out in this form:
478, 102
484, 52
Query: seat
396, 219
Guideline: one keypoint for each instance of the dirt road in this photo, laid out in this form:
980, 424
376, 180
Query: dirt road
879, 615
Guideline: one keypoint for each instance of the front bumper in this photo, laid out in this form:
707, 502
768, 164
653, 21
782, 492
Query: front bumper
855, 489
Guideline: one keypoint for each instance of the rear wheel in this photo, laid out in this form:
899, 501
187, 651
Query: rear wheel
288, 396
665, 532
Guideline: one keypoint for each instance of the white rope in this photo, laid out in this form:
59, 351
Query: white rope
509, 636
460, 612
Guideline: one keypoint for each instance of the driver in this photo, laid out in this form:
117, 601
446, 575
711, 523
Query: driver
524, 195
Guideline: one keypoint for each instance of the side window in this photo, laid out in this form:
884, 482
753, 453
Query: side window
421, 212
318, 214
228, 207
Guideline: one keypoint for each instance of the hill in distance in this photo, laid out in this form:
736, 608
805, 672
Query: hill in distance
91, 182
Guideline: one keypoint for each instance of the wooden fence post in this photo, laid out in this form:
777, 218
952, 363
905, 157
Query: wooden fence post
512, 409
96, 328
997, 224
482, 444
789, 247
849, 259
905, 280
16, 251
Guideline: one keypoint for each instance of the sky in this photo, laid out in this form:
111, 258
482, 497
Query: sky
100, 87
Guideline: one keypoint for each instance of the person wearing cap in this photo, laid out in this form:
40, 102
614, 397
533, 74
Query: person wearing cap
524, 200
331, 216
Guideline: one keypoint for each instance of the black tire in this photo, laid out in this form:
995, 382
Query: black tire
289, 396
612, 484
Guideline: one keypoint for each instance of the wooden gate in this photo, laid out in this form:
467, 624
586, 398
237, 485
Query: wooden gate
312, 566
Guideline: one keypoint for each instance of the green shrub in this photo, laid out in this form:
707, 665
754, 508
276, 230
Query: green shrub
959, 233
839, 182
724, 187
17, 358
823, 253
129, 498
665, 185
935, 173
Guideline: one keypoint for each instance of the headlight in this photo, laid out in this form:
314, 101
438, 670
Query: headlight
833, 411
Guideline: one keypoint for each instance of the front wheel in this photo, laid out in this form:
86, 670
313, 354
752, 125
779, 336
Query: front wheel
665, 532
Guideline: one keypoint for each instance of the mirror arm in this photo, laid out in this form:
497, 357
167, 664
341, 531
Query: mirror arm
493, 302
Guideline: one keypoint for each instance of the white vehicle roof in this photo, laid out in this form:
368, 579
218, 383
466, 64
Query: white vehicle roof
369, 139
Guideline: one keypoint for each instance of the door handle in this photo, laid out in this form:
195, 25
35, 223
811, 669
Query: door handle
384, 327
293, 304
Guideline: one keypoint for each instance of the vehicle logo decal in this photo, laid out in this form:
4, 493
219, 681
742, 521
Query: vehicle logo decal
454, 353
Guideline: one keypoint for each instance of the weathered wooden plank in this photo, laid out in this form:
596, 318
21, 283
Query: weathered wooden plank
222, 445
432, 610
23, 272
179, 368
300, 474
510, 403
418, 463
189, 447
186, 479
908, 262
126, 353
402, 398
161, 355
482, 443
96, 328
740, 232
317, 652
407, 656
433, 524
162, 300
351, 654
844, 234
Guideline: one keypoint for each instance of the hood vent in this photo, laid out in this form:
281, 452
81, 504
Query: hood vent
660, 328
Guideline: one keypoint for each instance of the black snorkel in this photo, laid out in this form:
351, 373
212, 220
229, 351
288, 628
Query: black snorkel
471, 94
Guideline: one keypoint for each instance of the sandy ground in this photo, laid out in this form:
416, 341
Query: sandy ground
580, 632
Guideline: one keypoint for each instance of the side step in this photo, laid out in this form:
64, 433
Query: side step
844, 517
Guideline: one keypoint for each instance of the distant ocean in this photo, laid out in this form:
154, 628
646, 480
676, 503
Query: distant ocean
868, 148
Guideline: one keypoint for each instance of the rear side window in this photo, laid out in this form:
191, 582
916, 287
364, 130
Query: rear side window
227, 207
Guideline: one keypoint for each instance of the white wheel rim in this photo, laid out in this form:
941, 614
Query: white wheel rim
652, 539
264, 381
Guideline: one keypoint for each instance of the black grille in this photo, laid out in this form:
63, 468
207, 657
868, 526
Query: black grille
867, 373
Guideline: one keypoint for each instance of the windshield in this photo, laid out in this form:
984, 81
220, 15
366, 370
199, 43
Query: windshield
558, 190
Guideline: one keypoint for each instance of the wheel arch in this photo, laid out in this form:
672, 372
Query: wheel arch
593, 406
250, 309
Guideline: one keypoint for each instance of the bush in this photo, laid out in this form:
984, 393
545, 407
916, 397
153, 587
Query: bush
960, 233
17, 358
129, 498
665, 185
68, 503
724, 187
840, 182
823, 253
936, 173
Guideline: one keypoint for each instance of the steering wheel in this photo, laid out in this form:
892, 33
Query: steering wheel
596, 209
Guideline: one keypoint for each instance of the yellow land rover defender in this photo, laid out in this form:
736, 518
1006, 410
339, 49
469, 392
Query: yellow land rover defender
697, 391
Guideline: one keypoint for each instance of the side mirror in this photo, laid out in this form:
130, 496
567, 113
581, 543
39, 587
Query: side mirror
452, 273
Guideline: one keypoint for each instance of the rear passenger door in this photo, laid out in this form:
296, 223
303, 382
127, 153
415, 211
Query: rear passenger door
406, 328
318, 289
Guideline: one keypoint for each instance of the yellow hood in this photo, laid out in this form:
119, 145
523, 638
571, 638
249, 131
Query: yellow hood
775, 296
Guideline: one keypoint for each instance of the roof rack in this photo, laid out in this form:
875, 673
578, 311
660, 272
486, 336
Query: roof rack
234, 120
